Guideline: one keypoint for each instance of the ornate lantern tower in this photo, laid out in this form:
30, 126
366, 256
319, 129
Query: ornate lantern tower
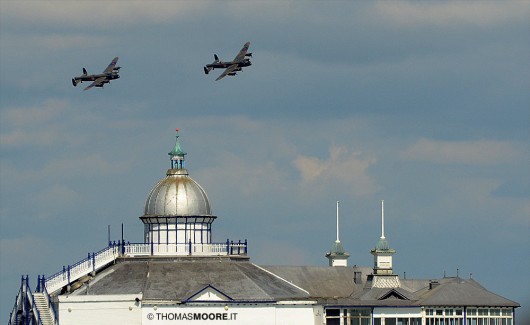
383, 275
177, 212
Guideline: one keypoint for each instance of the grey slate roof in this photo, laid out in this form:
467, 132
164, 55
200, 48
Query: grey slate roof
178, 279
320, 281
167, 279
462, 292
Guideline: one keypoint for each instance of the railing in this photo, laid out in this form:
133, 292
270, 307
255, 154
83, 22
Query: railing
96, 261
90, 264
41, 287
24, 310
182, 249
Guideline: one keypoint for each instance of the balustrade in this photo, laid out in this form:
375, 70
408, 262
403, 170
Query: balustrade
109, 254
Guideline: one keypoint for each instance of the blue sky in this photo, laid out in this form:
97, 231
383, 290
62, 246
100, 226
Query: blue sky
423, 104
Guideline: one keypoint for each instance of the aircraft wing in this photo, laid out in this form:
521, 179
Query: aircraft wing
241, 55
98, 82
227, 71
111, 65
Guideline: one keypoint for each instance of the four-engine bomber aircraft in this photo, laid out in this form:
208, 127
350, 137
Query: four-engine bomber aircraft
240, 61
110, 73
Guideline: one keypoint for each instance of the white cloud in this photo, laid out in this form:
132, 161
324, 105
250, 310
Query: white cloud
12, 249
64, 41
449, 13
72, 167
31, 126
342, 167
481, 152
248, 178
97, 14
34, 115
51, 201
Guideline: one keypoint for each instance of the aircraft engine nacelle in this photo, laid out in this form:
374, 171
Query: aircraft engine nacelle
237, 69
249, 55
232, 74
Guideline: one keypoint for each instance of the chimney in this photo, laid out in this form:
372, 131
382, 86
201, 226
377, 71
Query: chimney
357, 277
433, 284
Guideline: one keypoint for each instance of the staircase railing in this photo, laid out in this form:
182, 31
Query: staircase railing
89, 264
25, 309
24, 312
41, 287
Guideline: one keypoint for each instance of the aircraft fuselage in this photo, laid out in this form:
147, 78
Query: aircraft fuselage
93, 77
224, 65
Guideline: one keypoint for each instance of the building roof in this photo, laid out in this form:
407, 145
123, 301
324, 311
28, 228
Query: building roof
173, 279
461, 292
179, 280
319, 281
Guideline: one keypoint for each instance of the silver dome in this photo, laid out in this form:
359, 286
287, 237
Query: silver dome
177, 195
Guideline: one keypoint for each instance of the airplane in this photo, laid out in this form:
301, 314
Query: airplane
99, 80
240, 61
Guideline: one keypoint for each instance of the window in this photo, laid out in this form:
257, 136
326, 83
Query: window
390, 321
357, 316
506, 312
332, 316
444, 316
349, 316
400, 321
489, 316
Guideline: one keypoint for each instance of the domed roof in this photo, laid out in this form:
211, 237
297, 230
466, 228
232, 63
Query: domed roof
177, 195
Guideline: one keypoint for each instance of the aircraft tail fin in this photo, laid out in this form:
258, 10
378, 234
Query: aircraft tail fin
85, 72
216, 58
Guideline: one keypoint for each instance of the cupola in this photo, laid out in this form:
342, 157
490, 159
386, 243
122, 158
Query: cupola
177, 210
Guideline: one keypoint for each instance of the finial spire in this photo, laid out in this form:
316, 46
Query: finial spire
177, 155
337, 222
382, 219
337, 256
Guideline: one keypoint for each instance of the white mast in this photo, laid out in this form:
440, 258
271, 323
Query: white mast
337, 256
383, 219
337, 222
